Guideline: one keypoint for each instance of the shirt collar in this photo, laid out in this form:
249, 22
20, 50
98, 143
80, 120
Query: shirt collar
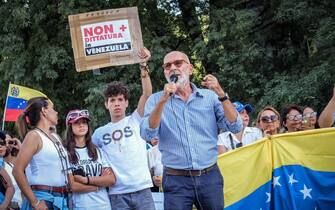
196, 90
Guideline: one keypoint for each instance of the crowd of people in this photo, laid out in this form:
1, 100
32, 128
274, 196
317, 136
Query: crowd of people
187, 126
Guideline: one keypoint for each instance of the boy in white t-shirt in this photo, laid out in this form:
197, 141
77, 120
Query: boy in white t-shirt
228, 141
126, 150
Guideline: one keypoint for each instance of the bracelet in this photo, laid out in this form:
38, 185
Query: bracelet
36, 204
88, 180
144, 67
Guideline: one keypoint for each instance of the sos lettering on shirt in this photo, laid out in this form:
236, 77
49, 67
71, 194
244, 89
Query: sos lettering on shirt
117, 135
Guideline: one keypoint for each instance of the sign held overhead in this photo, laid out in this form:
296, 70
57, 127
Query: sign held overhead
106, 38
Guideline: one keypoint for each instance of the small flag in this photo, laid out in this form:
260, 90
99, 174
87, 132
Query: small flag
17, 99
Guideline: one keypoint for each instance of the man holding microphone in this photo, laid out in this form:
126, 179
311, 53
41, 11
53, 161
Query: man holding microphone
186, 120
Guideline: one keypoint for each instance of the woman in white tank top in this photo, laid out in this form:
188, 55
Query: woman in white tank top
45, 184
90, 172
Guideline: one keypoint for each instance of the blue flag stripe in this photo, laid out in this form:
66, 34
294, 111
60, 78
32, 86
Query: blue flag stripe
16, 103
292, 187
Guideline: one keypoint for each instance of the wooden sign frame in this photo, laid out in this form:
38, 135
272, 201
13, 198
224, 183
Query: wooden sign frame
95, 37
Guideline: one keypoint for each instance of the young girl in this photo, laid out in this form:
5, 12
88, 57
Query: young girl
44, 182
91, 173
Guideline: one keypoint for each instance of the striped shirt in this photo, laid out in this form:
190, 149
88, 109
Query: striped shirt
188, 131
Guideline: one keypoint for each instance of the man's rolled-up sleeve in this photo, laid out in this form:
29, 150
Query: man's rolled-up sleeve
225, 124
234, 127
146, 132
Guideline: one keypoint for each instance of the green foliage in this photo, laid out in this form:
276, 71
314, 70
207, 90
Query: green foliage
263, 52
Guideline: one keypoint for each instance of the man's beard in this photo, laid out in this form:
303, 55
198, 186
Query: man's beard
183, 80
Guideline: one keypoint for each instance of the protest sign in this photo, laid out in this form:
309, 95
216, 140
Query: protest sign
105, 38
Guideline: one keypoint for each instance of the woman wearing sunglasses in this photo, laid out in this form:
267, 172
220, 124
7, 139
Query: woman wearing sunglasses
309, 119
6, 187
13, 148
44, 182
292, 118
268, 121
91, 173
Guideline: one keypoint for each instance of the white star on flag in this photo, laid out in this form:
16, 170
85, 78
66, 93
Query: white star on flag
276, 181
306, 192
292, 180
269, 197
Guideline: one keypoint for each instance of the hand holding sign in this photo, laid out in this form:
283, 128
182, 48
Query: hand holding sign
144, 54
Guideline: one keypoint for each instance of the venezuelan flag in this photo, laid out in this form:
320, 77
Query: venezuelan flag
290, 171
17, 99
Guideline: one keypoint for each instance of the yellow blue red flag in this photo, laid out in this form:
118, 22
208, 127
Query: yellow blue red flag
17, 99
293, 171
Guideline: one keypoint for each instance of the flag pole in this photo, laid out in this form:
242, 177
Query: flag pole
4, 111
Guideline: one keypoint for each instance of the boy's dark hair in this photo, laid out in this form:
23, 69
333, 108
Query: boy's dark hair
115, 89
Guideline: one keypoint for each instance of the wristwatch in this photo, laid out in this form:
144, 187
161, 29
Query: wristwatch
224, 98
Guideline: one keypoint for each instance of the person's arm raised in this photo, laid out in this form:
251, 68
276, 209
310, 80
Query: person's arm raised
326, 118
145, 80
155, 115
212, 83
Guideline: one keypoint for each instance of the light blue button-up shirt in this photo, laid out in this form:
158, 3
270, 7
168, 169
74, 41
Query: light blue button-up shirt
188, 131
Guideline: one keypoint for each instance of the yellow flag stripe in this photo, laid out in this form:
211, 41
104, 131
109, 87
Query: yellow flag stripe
313, 149
18, 91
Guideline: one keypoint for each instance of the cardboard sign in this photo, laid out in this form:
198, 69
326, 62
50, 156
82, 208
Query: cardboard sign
106, 38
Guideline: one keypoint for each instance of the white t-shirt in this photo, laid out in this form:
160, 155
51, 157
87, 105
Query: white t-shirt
91, 200
126, 152
250, 135
155, 161
17, 195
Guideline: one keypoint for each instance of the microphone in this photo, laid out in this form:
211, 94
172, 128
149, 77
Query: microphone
174, 79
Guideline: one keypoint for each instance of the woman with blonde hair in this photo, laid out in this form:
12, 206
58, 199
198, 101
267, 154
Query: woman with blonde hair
46, 156
268, 120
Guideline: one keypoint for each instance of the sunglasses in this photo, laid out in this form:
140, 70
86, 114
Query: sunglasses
310, 114
2, 143
12, 142
297, 117
77, 113
268, 119
177, 63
